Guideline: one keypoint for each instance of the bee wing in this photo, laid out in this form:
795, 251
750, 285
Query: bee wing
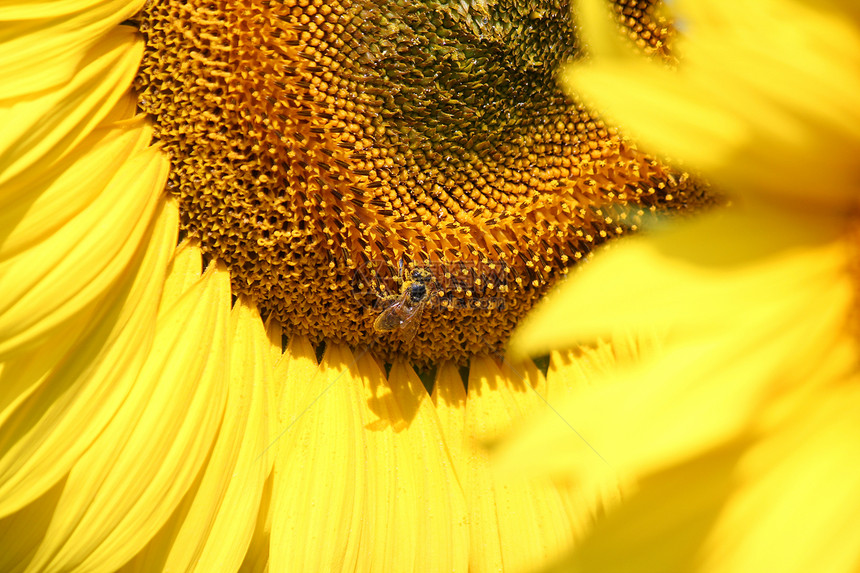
389, 319
396, 311
409, 326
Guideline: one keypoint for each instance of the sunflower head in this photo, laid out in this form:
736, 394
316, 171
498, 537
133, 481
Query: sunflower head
327, 150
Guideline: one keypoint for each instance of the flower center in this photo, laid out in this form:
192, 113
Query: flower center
330, 152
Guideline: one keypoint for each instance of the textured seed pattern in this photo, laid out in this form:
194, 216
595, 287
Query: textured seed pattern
325, 148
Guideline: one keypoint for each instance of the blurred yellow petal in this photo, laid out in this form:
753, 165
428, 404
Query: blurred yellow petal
786, 502
599, 486
744, 324
711, 389
799, 491
758, 87
715, 443
662, 524
534, 451
125, 486
696, 278
663, 110
845, 7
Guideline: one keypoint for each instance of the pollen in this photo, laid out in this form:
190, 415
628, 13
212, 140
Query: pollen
326, 149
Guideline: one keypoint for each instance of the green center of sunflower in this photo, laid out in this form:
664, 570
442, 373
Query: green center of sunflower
404, 176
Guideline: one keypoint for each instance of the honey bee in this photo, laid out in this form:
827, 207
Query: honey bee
403, 312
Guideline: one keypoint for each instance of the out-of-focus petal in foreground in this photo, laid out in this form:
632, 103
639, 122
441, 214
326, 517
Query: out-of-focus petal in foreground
735, 438
770, 89
757, 343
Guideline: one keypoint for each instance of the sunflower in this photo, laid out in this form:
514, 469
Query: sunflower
737, 435
193, 369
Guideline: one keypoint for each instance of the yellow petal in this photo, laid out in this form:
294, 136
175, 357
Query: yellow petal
784, 502
697, 279
418, 478
783, 122
183, 273
449, 401
375, 456
128, 483
44, 42
223, 517
275, 334
22, 532
41, 130
53, 281
320, 511
212, 528
257, 557
797, 495
298, 365
33, 211
79, 395
293, 375
514, 523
